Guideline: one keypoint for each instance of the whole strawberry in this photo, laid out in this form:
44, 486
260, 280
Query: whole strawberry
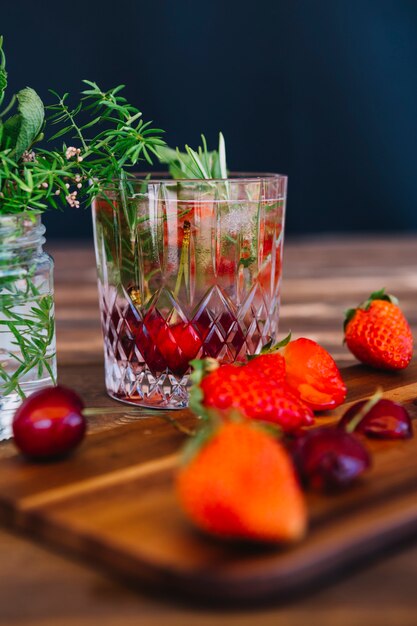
378, 334
241, 484
231, 388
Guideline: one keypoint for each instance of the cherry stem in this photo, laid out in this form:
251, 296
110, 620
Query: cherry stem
354, 423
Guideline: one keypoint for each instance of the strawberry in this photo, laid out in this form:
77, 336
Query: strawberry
270, 365
306, 369
378, 334
241, 484
312, 375
240, 388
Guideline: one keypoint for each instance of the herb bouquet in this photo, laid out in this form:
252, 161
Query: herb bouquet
189, 264
30, 181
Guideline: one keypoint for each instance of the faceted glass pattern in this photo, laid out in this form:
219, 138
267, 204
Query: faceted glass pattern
186, 269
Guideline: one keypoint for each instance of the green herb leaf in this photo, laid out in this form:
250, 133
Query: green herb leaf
222, 156
200, 163
22, 130
247, 261
3, 73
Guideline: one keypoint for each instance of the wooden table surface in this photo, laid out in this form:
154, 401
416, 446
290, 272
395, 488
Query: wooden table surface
323, 276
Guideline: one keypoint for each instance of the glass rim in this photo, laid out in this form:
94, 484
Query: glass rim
235, 177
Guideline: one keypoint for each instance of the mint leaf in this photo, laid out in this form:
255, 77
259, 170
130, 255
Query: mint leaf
3, 73
22, 130
3, 82
11, 130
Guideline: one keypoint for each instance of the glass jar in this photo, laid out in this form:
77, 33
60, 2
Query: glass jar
186, 269
27, 322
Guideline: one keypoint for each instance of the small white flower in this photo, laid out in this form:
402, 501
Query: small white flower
72, 200
27, 157
73, 152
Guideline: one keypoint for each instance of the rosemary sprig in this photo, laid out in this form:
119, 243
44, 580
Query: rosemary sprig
31, 335
121, 138
200, 163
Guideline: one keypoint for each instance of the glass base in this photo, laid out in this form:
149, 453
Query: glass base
10, 403
138, 386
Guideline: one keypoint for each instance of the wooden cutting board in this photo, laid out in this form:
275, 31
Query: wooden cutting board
113, 503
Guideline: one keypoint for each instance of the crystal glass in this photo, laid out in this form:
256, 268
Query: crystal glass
186, 269
27, 322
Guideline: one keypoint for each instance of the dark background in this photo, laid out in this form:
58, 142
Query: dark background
322, 90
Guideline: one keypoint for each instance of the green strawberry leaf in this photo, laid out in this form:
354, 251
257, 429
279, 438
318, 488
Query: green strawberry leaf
194, 444
201, 367
365, 305
349, 315
270, 429
22, 130
270, 347
378, 295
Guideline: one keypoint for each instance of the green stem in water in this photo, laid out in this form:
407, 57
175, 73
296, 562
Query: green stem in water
183, 270
32, 334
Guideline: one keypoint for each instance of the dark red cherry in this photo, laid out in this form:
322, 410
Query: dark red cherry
178, 344
384, 420
49, 423
329, 458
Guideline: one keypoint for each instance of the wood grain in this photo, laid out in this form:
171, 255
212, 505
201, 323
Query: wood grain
114, 504
323, 276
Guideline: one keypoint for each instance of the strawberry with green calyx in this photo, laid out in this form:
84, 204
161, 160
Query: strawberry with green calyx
229, 387
201, 368
270, 363
311, 374
378, 334
238, 482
